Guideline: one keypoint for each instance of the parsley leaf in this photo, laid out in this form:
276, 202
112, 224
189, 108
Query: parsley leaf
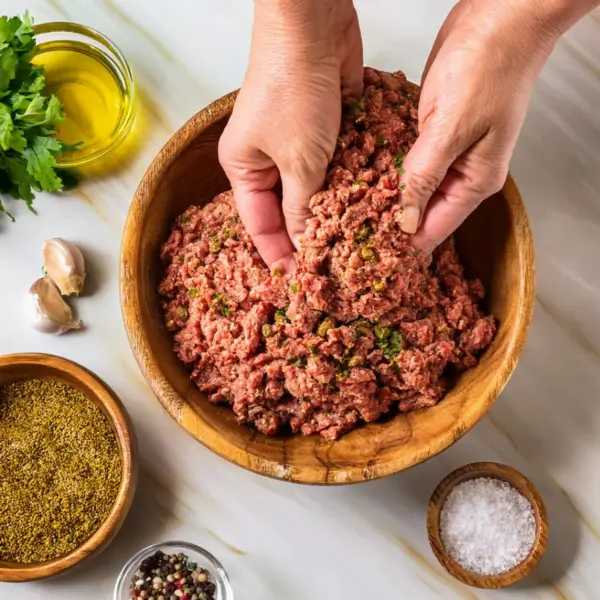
388, 340
28, 117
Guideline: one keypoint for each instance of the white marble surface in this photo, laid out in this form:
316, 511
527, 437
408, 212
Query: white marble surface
280, 541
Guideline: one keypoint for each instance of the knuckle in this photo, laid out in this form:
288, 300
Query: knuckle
422, 183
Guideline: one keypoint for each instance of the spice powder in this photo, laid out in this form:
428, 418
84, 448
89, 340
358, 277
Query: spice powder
60, 470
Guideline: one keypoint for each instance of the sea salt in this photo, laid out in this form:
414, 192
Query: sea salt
487, 526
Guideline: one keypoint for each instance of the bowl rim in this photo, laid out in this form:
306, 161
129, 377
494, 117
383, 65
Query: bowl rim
123, 428
219, 574
127, 120
519, 482
182, 412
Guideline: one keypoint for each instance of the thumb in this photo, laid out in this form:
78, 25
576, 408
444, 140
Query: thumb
296, 198
425, 167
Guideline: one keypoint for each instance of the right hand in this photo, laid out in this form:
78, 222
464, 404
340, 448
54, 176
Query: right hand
286, 120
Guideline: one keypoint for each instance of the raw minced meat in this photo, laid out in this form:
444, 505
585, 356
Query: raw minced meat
364, 325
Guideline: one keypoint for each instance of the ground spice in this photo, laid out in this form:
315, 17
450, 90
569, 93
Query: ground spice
487, 526
60, 470
171, 577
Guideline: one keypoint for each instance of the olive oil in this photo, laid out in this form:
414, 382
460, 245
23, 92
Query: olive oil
94, 95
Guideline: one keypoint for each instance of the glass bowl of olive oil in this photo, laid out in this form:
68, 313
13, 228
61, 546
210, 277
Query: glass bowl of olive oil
93, 80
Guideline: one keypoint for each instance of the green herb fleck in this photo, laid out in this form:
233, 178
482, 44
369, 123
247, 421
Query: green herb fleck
326, 324
277, 272
184, 219
363, 233
220, 303
355, 361
363, 326
388, 340
295, 287
379, 286
399, 163
368, 254
214, 244
267, 330
281, 316
358, 184
342, 370
313, 350
228, 233
299, 362
194, 293
380, 141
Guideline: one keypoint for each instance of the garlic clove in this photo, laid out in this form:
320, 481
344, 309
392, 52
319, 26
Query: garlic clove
48, 312
64, 265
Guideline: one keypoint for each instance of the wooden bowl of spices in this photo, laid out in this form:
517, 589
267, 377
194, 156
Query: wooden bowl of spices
487, 525
67, 466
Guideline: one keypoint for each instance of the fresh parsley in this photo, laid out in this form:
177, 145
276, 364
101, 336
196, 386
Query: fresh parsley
28, 118
388, 340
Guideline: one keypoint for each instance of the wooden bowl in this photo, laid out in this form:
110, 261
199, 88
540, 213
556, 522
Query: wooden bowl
495, 244
524, 487
17, 367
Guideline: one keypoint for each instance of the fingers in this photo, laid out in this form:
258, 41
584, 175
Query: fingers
425, 167
296, 197
260, 211
457, 196
253, 176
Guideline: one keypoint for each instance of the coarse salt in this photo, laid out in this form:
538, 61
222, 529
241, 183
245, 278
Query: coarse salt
487, 526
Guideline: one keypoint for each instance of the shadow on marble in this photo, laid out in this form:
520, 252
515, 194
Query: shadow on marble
99, 268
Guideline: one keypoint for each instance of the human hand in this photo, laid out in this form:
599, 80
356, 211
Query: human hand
477, 86
286, 120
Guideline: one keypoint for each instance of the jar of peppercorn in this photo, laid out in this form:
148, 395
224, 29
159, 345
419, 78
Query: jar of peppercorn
173, 571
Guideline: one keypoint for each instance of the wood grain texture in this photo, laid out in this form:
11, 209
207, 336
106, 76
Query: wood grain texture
17, 367
495, 244
524, 487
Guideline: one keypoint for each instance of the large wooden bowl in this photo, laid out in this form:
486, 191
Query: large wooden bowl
16, 367
495, 244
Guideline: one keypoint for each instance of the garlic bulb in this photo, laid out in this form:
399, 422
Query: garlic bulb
48, 312
64, 265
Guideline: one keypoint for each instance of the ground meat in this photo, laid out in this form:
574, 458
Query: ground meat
365, 324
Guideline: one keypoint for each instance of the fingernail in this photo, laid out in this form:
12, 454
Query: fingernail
411, 216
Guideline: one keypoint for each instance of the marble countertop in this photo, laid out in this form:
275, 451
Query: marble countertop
282, 541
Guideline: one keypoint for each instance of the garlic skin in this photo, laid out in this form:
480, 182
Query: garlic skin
48, 312
64, 265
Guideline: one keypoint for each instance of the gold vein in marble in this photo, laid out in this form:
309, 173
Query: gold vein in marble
231, 547
580, 57
572, 330
155, 42
424, 563
59, 8
568, 498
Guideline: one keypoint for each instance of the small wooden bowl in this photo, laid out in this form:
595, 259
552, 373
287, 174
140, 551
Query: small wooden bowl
524, 487
494, 243
16, 367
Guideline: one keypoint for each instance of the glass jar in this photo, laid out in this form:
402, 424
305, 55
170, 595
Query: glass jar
96, 84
